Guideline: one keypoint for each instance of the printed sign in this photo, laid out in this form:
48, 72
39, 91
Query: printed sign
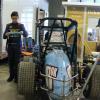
51, 71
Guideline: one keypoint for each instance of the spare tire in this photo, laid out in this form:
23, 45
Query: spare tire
26, 78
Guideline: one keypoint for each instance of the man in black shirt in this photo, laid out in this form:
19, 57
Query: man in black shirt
14, 44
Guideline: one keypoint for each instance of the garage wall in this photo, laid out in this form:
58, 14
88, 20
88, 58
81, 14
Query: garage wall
56, 8
18, 5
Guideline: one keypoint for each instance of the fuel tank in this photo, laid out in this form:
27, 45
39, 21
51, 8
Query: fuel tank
58, 66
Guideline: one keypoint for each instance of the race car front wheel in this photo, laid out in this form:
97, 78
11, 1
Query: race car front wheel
26, 77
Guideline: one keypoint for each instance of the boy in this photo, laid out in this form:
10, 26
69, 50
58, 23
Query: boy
14, 44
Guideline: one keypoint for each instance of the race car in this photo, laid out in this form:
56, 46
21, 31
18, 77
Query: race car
54, 65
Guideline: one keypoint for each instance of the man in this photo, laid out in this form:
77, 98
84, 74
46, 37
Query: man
14, 44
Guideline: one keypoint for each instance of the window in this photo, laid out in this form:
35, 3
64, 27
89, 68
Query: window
27, 20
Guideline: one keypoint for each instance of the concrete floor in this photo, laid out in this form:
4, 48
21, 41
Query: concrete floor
8, 91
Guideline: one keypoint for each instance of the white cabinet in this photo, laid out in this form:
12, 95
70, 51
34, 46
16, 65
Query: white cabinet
90, 1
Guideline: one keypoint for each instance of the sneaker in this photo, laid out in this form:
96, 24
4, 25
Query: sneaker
9, 79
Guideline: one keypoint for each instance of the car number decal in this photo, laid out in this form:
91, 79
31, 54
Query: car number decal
51, 71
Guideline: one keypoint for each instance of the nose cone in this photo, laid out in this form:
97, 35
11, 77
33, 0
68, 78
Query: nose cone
57, 58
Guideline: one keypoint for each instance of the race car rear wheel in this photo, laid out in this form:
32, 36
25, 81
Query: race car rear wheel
26, 78
95, 88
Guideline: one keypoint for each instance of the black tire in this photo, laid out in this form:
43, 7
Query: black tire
26, 78
95, 88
